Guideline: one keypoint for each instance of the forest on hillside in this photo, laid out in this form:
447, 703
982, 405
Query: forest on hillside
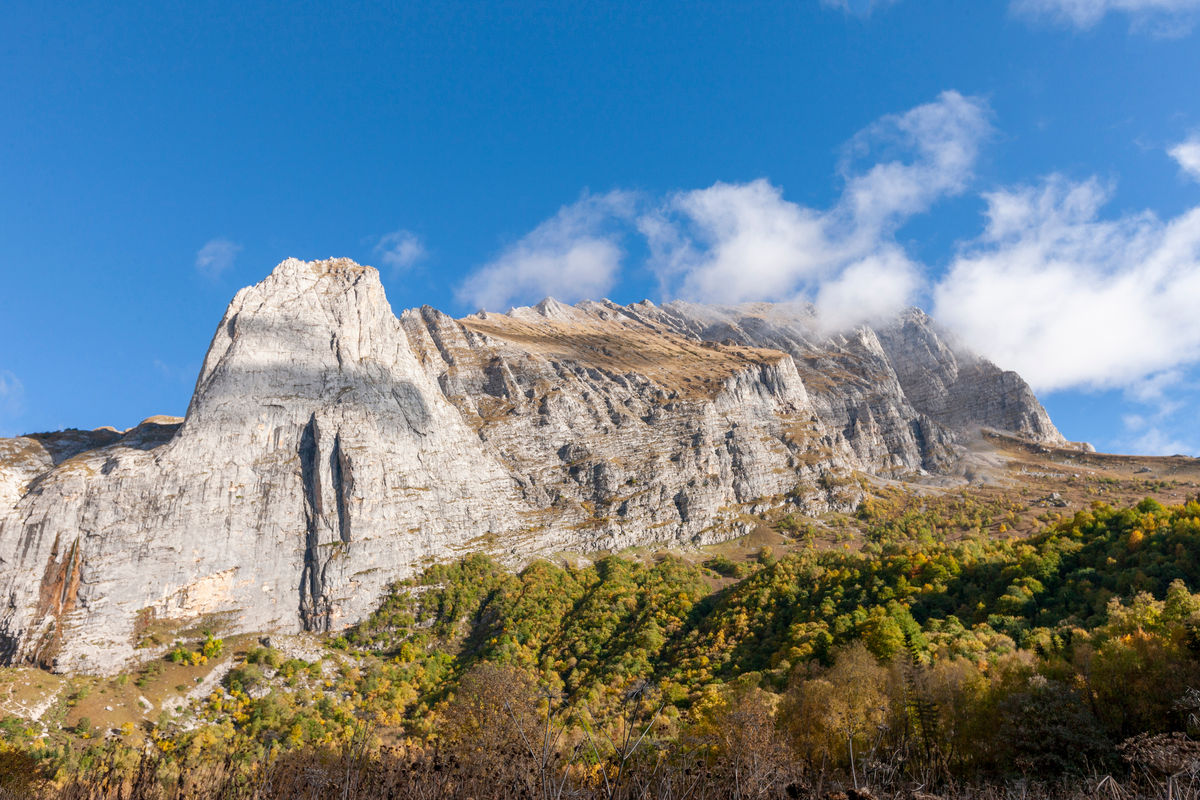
933, 660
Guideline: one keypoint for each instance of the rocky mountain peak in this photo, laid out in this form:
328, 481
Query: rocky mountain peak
307, 330
330, 447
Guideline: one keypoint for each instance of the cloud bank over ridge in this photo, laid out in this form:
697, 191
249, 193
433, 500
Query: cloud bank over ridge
733, 242
736, 242
1051, 287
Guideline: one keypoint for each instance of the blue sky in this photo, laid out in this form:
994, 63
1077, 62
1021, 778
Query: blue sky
1029, 171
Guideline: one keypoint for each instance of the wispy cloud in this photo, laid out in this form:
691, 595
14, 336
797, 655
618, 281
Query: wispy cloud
399, 250
1153, 441
575, 254
1157, 390
937, 143
1187, 154
216, 257
12, 402
185, 375
1163, 422
861, 8
1070, 299
1161, 17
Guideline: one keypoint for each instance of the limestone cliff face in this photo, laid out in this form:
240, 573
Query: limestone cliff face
331, 447
316, 460
901, 394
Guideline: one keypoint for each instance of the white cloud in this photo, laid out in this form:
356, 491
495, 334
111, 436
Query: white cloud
575, 254
400, 249
1187, 154
12, 401
733, 242
738, 242
871, 289
1164, 17
1158, 428
1071, 300
216, 257
862, 8
1156, 442
1156, 389
944, 138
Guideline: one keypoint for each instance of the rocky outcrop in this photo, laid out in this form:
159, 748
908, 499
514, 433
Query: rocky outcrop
901, 394
957, 388
331, 447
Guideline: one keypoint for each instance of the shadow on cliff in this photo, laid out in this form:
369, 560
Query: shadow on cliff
241, 374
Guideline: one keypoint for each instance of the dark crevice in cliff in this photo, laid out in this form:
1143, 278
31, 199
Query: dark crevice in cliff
314, 606
9, 642
343, 479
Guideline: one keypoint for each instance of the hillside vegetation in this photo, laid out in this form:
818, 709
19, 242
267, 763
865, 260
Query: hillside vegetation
929, 656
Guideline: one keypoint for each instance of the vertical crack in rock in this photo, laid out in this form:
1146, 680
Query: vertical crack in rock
314, 605
343, 482
681, 504
917, 429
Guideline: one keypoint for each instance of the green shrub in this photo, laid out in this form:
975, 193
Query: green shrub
266, 656
245, 678
726, 567
212, 647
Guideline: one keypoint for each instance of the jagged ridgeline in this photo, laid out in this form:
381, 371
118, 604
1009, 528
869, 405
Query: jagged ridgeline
332, 447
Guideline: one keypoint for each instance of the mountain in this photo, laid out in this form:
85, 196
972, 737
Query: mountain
331, 447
